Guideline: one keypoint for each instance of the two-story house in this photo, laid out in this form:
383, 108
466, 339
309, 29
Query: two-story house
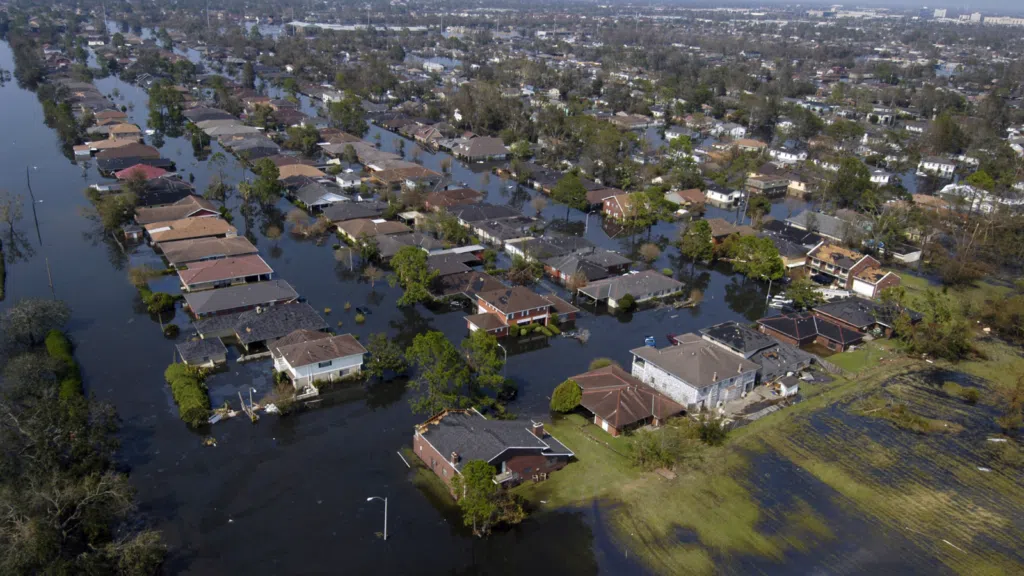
850, 269
516, 306
307, 356
695, 373
935, 166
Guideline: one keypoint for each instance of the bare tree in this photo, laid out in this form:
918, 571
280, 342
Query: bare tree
373, 275
10, 208
539, 203
649, 252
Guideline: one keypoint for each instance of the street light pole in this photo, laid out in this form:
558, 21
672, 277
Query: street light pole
385, 513
505, 361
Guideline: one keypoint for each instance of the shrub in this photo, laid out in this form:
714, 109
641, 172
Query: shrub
627, 302
348, 306
601, 363
171, 330
667, 272
566, 397
157, 302
58, 346
513, 331
544, 330
189, 393
712, 431
970, 395
554, 329
360, 318
71, 388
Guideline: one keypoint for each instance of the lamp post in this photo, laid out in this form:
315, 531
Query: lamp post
505, 360
385, 500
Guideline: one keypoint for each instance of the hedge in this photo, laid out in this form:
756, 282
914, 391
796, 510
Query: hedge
554, 329
190, 394
59, 348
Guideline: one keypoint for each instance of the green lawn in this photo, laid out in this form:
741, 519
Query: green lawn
975, 295
866, 355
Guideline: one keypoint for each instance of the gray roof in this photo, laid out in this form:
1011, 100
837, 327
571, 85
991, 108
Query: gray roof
354, 210
696, 361
202, 350
641, 285
823, 224
242, 296
185, 251
738, 338
473, 437
482, 211
276, 322
312, 347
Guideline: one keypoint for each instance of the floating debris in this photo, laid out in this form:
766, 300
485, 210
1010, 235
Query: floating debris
210, 441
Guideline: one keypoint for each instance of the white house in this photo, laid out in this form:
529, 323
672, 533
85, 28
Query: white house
788, 155
730, 128
936, 166
723, 196
881, 177
308, 356
348, 179
695, 373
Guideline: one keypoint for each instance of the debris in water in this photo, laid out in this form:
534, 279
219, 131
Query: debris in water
983, 469
271, 409
997, 439
210, 441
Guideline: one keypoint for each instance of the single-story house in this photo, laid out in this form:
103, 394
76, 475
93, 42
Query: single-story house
517, 450
221, 272
620, 402
360, 228
183, 252
695, 373
864, 315
804, 328
203, 352
188, 207
354, 211
308, 356
643, 286
481, 148
239, 298
262, 324
189, 229
316, 196
595, 264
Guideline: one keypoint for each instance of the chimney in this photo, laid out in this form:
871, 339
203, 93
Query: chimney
714, 377
455, 458
538, 429
739, 368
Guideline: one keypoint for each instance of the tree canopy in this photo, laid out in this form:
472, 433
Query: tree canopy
413, 274
441, 373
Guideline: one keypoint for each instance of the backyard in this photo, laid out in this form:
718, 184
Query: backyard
926, 491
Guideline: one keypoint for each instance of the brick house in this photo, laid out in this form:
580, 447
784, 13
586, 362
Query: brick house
517, 306
864, 315
620, 402
518, 450
618, 206
850, 269
804, 328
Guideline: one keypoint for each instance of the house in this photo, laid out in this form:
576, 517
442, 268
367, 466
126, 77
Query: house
770, 186
774, 358
239, 298
453, 197
805, 328
504, 307
261, 325
308, 356
722, 229
222, 272
317, 195
642, 286
722, 197
189, 229
517, 450
881, 177
125, 131
144, 171
594, 264
183, 252
789, 152
389, 244
480, 148
845, 267
548, 247
467, 283
869, 282
203, 352
691, 200
620, 402
695, 373
750, 145
345, 211
936, 166
828, 226
360, 228
299, 170
864, 315
618, 207
188, 207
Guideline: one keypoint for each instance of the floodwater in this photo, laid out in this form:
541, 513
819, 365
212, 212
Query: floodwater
288, 494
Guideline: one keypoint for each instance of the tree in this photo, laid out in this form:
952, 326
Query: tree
758, 207
650, 252
248, 76
347, 114
575, 281
135, 183
524, 272
372, 275
413, 274
448, 228
981, 180
756, 258
569, 190
539, 203
483, 505
441, 374
26, 323
943, 331
303, 139
945, 136
851, 184
67, 509
369, 248
384, 355
696, 242
803, 294
520, 149
481, 350
349, 154
566, 397
266, 190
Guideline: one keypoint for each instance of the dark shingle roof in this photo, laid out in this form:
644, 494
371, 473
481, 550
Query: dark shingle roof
473, 437
277, 321
242, 296
199, 351
804, 326
737, 338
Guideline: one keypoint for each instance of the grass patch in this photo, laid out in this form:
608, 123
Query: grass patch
867, 355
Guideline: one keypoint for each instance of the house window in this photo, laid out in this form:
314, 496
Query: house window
444, 472
326, 364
